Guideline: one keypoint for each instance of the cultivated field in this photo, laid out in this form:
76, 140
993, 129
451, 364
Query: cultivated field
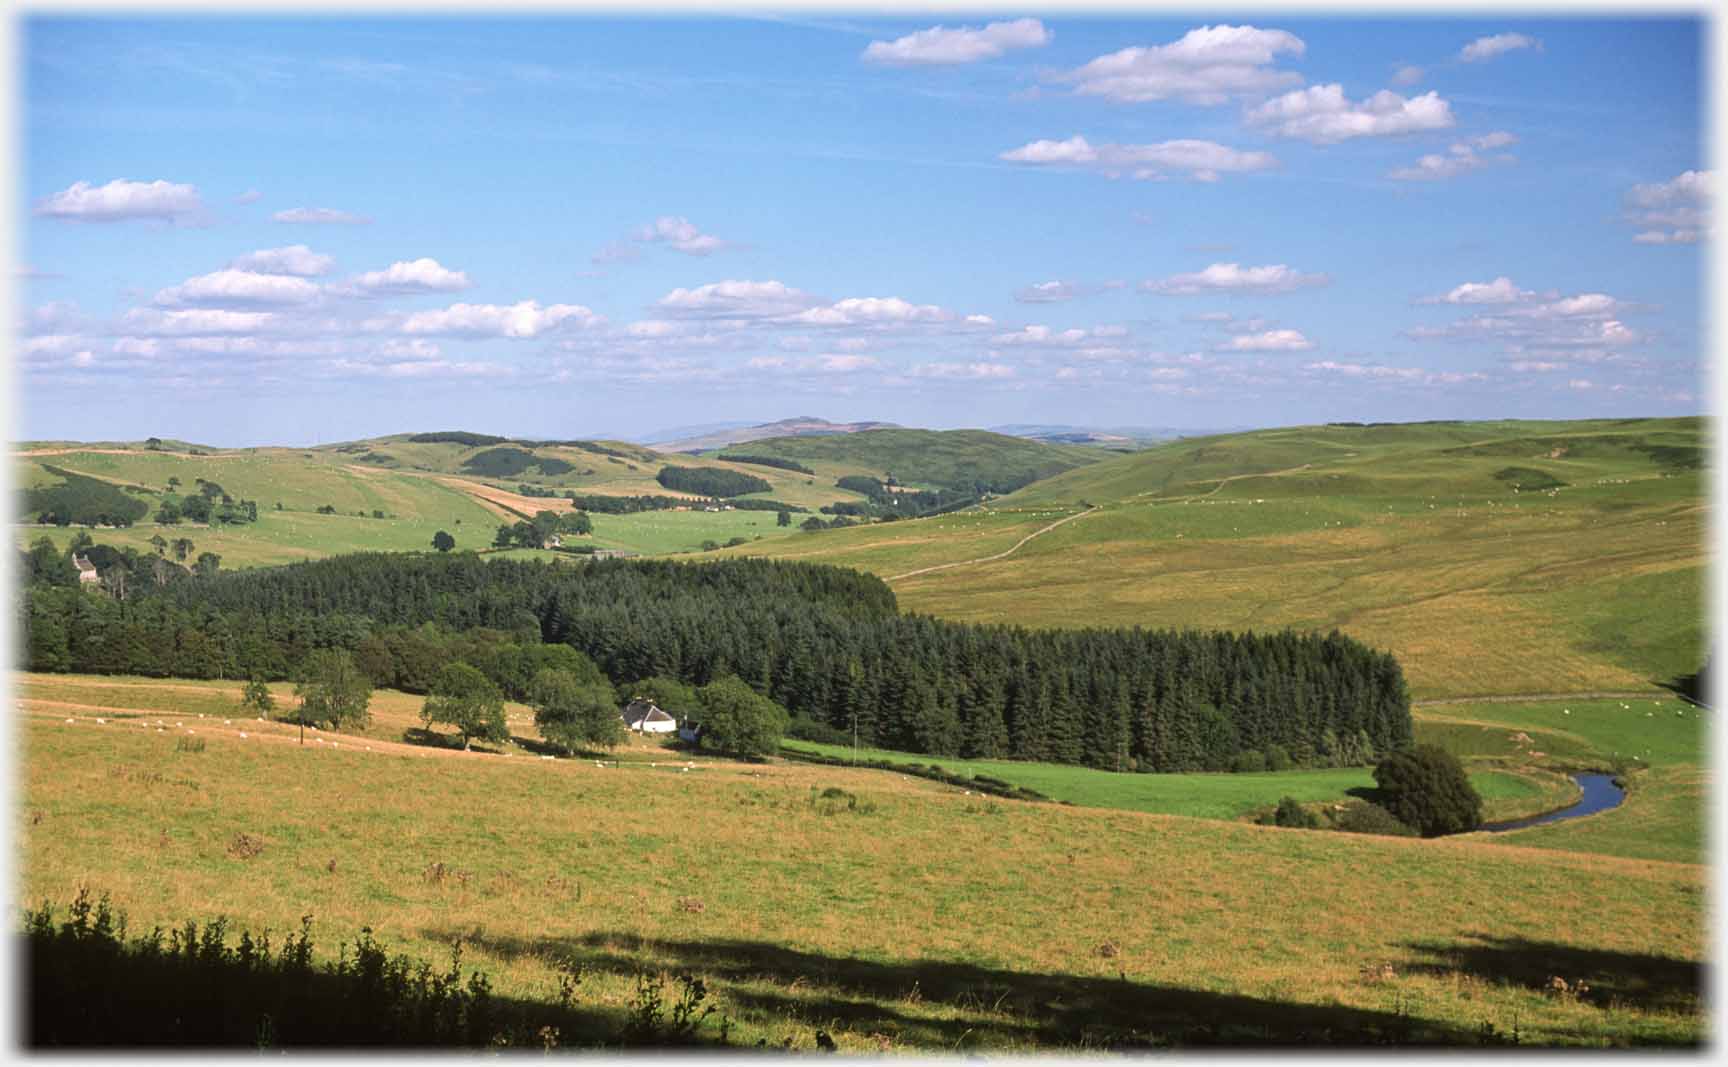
916, 917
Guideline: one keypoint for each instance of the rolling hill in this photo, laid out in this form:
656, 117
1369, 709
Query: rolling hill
1410, 537
953, 459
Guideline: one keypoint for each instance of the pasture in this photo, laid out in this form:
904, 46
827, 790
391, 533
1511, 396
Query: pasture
1401, 537
919, 918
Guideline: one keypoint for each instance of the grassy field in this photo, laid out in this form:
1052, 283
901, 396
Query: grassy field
1661, 741
1399, 536
416, 505
919, 918
946, 458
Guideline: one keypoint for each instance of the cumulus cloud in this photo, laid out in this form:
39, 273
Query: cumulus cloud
320, 216
1528, 324
122, 200
679, 234
1501, 290
1235, 278
1047, 293
736, 299
1206, 66
941, 46
239, 288
1460, 158
520, 321
297, 260
1269, 341
1040, 336
421, 368
412, 276
1679, 211
1485, 48
1200, 160
871, 311
1322, 114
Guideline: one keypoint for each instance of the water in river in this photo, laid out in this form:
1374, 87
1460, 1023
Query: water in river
1600, 794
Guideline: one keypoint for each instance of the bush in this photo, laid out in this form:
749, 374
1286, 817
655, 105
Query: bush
1278, 759
1371, 819
1248, 762
1426, 788
1291, 813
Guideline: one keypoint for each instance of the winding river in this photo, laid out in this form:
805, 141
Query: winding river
1600, 794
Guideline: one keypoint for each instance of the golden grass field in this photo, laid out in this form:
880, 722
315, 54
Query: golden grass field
927, 919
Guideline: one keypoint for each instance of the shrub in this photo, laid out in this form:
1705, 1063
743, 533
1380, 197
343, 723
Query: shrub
1371, 819
1248, 762
1278, 758
1292, 814
1426, 787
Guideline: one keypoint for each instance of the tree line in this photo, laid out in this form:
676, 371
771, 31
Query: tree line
710, 481
825, 643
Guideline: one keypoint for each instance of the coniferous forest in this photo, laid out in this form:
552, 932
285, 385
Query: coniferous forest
828, 644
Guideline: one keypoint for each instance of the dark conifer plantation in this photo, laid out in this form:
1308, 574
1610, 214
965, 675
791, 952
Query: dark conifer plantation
827, 644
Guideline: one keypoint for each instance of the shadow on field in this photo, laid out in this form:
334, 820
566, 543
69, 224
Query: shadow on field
419, 735
936, 1004
1649, 983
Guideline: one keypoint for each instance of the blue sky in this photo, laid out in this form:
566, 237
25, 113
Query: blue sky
268, 230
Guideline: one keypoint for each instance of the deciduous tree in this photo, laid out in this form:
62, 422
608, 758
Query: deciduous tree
464, 698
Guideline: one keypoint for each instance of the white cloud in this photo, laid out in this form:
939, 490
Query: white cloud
121, 200
1206, 66
413, 276
1269, 341
1040, 335
680, 234
1684, 204
1408, 75
1382, 372
150, 322
979, 371
1501, 290
421, 368
522, 320
1322, 114
227, 288
1460, 158
1200, 160
297, 260
1666, 237
320, 216
1484, 48
1047, 293
871, 311
736, 299
941, 46
1234, 278
655, 328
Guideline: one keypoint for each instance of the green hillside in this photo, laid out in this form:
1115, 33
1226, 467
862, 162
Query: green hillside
1401, 536
945, 458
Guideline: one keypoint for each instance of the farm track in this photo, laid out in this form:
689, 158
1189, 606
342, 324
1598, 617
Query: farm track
1000, 555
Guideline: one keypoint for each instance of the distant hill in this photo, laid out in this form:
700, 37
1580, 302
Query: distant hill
801, 426
1108, 436
955, 459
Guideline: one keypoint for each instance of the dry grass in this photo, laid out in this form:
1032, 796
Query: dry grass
928, 919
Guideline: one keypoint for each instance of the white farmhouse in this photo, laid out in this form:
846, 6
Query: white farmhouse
645, 717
